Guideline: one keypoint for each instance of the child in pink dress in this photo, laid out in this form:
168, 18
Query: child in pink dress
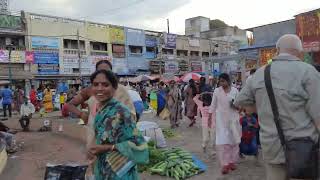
208, 134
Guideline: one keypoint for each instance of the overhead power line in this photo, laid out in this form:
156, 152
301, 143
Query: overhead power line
114, 10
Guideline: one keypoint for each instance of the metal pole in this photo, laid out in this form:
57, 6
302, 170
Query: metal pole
168, 24
79, 53
10, 72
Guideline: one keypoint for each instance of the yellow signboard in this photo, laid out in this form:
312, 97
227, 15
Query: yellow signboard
117, 35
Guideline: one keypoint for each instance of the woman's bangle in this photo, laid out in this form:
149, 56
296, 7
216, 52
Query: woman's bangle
112, 148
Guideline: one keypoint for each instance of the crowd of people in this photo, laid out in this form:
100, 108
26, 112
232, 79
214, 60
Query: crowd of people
231, 115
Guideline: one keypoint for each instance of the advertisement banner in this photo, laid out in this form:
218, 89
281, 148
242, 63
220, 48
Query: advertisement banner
48, 69
94, 59
151, 41
4, 56
308, 29
44, 42
46, 58
29, 57
11, 22
117, 35
196, 66
71, 62
120, 66
266, 54
194, 42
170, 41
18, 57
171, 67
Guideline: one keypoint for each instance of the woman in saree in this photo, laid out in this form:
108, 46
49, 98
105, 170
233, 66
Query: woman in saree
191, 107
174, 104
47, 100
118, 146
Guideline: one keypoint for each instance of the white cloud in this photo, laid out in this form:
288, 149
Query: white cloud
152, 14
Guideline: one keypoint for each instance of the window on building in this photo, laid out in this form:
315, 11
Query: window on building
182, 53
194, 53
73, 44
205, 54
151, 49
214, 53
75, 70
98, 46
167, 51
2, 41
135, 49
118, 51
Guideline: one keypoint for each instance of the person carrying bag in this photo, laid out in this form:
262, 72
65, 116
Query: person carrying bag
301, 153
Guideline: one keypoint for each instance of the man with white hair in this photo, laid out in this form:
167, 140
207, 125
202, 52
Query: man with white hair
296, 87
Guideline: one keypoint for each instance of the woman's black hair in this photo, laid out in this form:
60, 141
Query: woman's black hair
206, 99
108, 74
192, 85
226, 77
104, 62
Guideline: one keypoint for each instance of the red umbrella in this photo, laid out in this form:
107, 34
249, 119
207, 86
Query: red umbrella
188, 76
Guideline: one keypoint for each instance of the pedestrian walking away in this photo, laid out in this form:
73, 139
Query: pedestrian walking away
7, 96
286, 95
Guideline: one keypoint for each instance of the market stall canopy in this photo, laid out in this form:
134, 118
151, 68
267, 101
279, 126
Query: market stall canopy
142, 78
4, 82
188, 76
168, 78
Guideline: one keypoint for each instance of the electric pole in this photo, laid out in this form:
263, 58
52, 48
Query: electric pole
79, 54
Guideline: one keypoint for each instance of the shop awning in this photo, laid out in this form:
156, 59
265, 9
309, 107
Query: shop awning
20, 75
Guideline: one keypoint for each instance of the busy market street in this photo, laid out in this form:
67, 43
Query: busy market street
40, 148
159, 90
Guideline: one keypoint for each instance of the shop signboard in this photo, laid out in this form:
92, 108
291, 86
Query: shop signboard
120, 66
117, 35
151, 41
171, 41
71, 62
44, 43
4, 56
266, 54
308, 29
250, 64
196, 66
10, 22
46, 58
29, 57
171, 67
92, 60
18, 57
48, 69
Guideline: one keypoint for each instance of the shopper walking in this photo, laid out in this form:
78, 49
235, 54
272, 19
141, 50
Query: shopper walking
7, 96
228, 129
286, 95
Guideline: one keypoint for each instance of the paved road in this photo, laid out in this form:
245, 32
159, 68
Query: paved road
68, 146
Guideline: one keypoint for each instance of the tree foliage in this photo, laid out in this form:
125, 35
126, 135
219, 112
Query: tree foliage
216, 23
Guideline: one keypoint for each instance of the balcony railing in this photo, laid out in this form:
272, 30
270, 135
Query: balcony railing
74, 51
99, 53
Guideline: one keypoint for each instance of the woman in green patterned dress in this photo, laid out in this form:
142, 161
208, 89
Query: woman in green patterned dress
119, 145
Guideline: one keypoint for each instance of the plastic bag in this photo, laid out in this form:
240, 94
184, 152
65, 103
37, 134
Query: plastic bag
156, 135
65, 172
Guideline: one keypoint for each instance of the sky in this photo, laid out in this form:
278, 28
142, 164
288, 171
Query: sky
152, 14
